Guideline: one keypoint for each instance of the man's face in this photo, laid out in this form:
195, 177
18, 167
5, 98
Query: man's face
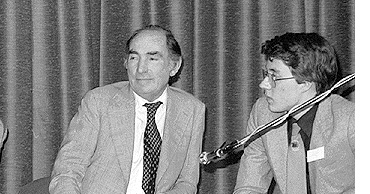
286, 93
149, 65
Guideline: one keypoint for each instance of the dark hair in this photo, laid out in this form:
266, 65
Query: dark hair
310, 56
172, 45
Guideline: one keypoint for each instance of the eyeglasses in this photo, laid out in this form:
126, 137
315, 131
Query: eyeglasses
272, 79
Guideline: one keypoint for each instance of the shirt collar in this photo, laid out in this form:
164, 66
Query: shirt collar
139, 101
306, 121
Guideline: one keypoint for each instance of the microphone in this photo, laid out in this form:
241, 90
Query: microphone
206, 158
219, 153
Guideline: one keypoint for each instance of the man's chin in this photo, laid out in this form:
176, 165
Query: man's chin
274, 109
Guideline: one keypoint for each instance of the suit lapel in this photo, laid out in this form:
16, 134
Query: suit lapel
277, 142
177, 117
321, 131
122, 119
322, 126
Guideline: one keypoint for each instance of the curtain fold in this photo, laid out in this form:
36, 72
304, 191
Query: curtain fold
53, 52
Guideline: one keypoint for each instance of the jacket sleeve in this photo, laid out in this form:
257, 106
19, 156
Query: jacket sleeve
254, 174
351, 131
351, 139
76, 149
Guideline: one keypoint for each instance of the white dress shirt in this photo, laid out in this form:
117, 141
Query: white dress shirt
136, 176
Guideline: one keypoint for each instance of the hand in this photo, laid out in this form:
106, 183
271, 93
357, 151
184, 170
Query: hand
3, 134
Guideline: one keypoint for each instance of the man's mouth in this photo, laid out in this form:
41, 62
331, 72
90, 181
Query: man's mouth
269, 99
143, 79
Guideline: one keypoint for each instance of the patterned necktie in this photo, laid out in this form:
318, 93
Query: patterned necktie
152, 149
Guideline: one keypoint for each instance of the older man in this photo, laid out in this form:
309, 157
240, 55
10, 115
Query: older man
136, 136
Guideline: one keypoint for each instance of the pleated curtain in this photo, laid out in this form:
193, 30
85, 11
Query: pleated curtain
53, 52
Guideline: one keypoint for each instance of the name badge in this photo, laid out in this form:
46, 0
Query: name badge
315, 154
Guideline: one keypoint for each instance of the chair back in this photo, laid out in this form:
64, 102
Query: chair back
39, 186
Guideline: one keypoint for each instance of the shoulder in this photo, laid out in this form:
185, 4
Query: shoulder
338, 112
261, 112
261, 104
107, 91
338, 102
340, 106
184, 97
104, 95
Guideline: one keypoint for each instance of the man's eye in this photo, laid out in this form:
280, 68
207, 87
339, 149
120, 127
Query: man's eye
132, 58
153, 59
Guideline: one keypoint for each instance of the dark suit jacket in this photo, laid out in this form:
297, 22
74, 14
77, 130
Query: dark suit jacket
96, 153
333, 128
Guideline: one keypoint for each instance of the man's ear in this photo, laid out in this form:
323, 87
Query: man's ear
306, 85
175, 66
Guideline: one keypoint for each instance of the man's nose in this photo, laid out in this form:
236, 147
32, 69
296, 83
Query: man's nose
142, 66
265, 84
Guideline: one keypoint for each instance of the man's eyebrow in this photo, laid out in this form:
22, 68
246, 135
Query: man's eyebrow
132, 52
154, 53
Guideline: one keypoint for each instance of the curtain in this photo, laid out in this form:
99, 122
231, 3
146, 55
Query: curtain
53, 52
